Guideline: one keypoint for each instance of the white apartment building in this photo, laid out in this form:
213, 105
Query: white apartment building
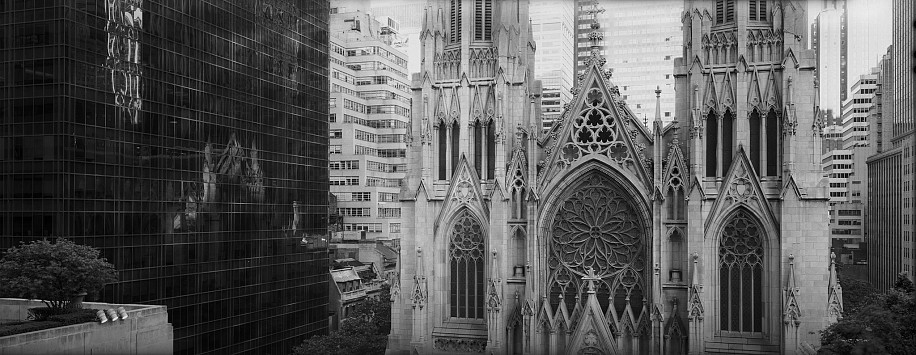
856, 109
369, 115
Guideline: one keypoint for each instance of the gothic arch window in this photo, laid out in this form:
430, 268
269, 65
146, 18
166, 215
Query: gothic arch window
597, 228
491, 150
483, 20
466, 252
741, 274
443, 150
728, 139
772, 143
456, 151
755, 132
712, 143
455, 21
675, 195
478, 137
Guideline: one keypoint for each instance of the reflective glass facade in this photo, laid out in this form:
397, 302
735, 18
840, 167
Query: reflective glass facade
187, 140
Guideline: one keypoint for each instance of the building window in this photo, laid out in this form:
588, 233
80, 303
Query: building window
466, 262
755, 130
394, 228
728, 141
362, 196
384, 212
712, 143
741, 274
443, 141
483, 20
725, 11
772, 142
335, 149
455, 21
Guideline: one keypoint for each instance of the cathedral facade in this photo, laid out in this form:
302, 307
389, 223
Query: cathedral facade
608, 235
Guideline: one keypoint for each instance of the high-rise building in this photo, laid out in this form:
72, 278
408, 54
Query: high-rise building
857, 108
409, 14
706, 235
369, 114
553, 29
891, 179
188, 141
868, 35
641, 40
828, 36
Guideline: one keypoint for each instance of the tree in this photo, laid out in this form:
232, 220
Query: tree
54, 272
365, 332
883, 324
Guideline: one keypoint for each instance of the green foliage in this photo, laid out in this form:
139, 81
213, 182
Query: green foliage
54, 272
76, 317
883, 324
856, 293
365, 332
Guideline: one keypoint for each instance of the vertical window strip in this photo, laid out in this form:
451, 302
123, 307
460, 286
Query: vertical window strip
455, 21
729, 10
752, 5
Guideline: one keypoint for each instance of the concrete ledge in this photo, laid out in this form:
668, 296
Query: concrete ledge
145, 331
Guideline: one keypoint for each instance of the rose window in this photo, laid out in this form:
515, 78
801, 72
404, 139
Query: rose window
597, 228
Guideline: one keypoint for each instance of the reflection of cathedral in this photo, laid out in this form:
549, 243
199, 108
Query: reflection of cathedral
605, 236
228, 167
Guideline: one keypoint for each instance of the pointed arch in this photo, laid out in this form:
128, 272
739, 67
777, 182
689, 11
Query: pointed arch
615, 252
466, 261
740, 267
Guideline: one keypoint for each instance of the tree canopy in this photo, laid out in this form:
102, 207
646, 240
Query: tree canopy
875, 324
54, 272
365, 332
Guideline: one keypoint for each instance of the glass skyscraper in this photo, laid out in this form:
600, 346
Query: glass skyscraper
188, 141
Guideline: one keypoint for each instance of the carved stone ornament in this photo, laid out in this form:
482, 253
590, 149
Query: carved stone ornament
741, 189
792, 313
597, 234
464, 193
460, 345
595, 130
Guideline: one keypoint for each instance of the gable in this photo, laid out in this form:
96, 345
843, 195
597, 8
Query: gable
596, 126
741, 187
464, 191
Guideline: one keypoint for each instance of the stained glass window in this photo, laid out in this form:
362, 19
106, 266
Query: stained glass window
597, 227
740, 274
466, 262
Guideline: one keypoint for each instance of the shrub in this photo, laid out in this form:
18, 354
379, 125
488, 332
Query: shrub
54, 272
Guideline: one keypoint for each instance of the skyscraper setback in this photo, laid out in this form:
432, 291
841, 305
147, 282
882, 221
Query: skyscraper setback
188, 141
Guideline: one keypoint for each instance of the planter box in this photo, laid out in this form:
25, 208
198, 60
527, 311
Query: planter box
145, 331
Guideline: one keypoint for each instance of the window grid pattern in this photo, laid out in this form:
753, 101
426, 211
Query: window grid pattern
741, 274
466, 265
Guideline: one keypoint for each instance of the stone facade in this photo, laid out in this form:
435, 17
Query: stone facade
603, 235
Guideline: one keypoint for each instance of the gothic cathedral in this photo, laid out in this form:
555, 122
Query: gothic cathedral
606, 235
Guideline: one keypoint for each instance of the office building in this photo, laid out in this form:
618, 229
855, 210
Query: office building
641, 40
828, 40
891, 180
408, 13
553, 29
188, 141
369, 112
857, 107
